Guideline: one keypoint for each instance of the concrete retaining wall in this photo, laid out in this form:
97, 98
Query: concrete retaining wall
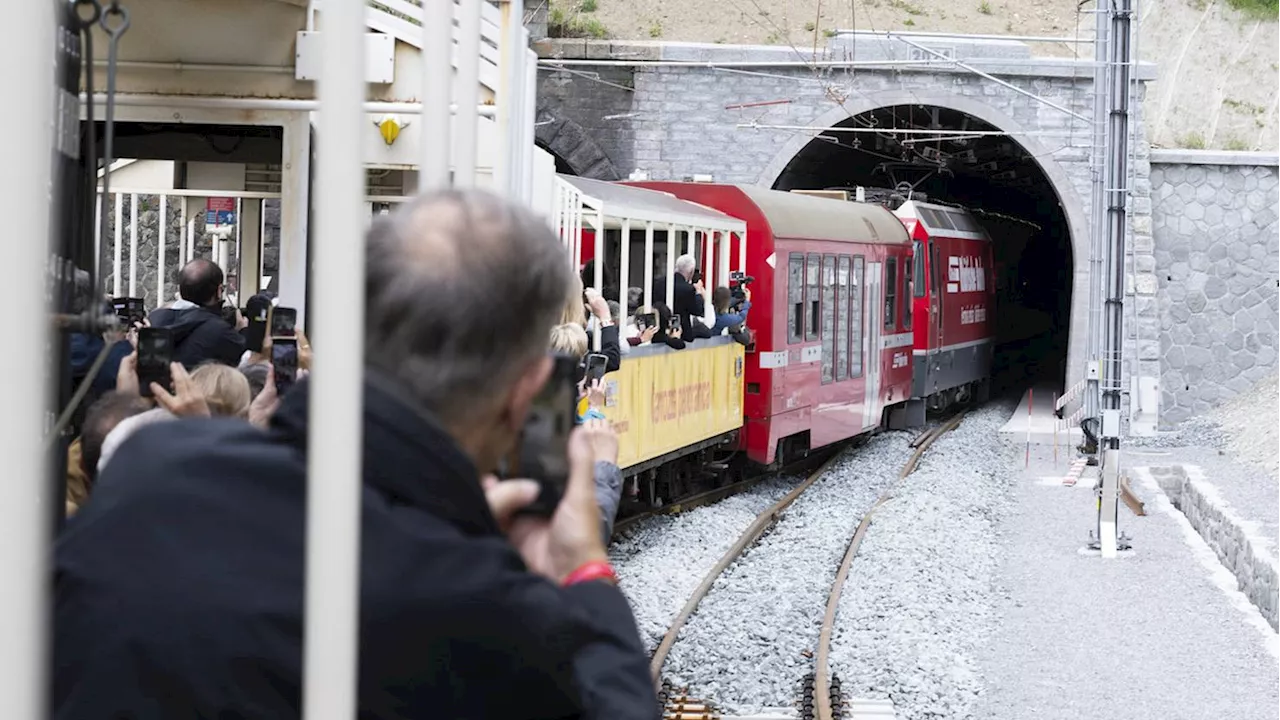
1235, 541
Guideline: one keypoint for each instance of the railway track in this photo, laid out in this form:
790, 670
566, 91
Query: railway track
821, 696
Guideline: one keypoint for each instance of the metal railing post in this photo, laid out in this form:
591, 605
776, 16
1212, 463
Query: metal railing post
27, 48
437, 80
335, 438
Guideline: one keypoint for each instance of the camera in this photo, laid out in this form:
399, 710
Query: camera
738, 281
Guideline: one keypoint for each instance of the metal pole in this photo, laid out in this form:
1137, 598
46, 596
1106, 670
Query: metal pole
181, 102
1117, 192
133, 245
467, 92
119, 247
27, 49
510, 89
624, 260
1098, 231
437, 76
160, 242
530, 111
331, 640
647, 288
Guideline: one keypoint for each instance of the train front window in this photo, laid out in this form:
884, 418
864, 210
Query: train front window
907, 295
917, 277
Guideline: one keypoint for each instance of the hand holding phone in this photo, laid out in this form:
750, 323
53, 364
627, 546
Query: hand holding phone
542, 454
155, 353
596, 364
284, 363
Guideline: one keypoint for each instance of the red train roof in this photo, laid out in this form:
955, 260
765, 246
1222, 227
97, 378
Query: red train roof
792, 215
942, 220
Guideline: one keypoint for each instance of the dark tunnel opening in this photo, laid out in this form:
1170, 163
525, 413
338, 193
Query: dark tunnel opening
562, 166
994, 176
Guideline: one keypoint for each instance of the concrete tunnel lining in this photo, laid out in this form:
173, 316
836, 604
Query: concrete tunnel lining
1077, 216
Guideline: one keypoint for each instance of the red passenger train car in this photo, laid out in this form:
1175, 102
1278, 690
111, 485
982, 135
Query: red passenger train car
954, 298
833, 316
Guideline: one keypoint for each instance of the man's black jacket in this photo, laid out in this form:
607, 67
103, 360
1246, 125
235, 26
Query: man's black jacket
199, 335
179, 586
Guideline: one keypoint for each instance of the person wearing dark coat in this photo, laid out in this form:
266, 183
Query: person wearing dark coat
179, 588
200, 332
687, 303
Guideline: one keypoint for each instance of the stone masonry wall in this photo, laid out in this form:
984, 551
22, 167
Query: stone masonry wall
1216, 251
148, 235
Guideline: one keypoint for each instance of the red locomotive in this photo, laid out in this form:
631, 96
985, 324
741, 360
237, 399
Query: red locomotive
862, 319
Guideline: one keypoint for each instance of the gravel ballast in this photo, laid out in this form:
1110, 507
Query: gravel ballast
919, 601
748, 647
662, 559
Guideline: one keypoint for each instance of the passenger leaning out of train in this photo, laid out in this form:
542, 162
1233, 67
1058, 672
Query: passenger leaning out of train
180, 588
667, 333
689, 300
200, 332
731, 313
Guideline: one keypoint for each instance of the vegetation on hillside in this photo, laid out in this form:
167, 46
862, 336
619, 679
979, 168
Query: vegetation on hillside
576, 20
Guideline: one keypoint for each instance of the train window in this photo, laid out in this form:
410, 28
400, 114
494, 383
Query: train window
890, 292
828, 317
811, 295
795, 297
917, 277
842, 319
907, 295
857, 283
935, 271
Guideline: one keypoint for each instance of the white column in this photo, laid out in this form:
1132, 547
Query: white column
437, 77
510, 95
27, 52
191, 240
647, 288
530, 111
119, 246
182, 234
331, 633
624, 262
160, 243
467, 93
295, 190
133, 245
598, 280
673, 247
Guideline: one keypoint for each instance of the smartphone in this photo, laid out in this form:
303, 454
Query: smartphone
155, 352
284, 361
673, 324
257, 312
283, 320
644, 321
596, 364
543, 452
129, 310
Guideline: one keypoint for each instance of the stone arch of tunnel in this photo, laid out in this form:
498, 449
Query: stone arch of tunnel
1044, 298
575, 152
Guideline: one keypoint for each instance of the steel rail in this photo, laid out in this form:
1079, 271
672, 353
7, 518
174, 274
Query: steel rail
821, 680
763, 522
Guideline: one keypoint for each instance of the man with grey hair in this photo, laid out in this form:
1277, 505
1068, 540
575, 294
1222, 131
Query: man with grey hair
190, 563
687, 302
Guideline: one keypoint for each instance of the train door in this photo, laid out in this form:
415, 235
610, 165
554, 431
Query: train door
872, 357
935, 296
